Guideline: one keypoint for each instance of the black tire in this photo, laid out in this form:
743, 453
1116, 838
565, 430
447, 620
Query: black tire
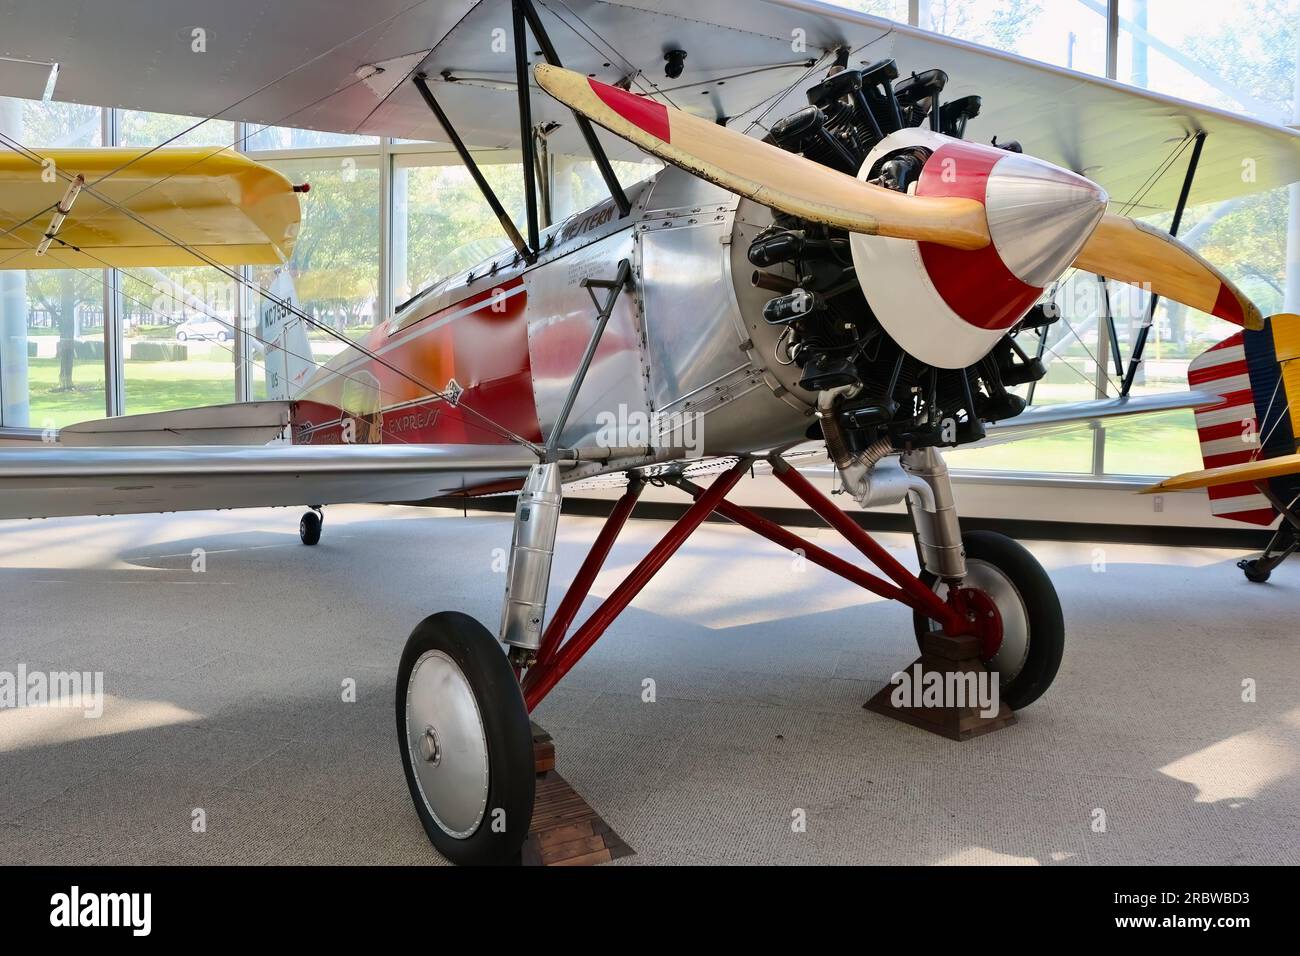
222, 337
181, 337
1253, 573
506, 730
1038, 603
309, 527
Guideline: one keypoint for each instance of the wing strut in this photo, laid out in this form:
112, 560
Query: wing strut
584, 125
421, 82
527, 143
1135, 357
612, 289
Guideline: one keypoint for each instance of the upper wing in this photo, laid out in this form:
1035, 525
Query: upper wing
48, 481
1259, 470
230, 208
740, 65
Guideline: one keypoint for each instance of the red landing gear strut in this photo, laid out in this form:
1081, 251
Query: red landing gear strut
968, 616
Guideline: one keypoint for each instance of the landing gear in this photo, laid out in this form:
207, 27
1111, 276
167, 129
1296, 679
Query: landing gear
1253, 571
1033, 628
310, 524
1281, 546
463, 704
467, 746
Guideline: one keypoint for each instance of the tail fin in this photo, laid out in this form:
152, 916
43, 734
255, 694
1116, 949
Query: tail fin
1258, 375
289, 361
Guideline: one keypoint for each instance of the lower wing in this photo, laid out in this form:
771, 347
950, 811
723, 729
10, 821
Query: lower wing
1043, 419
51, 481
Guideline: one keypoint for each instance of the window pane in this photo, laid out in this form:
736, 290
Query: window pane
178, 338
1239, 56
579, 185
889, 9
52, 349
51, 321
1061, 32
152, 129
284, 137
441, 223
59, 124
335, 263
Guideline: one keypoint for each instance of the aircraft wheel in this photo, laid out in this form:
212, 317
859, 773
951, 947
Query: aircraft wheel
1253, 573
467, 745
1033, 628
181, 337
309, 527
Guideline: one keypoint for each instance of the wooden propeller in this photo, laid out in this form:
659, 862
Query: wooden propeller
765, 173
1119, 248
1134, 252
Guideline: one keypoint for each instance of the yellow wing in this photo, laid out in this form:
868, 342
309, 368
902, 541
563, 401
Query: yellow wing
1230, 474
227, 206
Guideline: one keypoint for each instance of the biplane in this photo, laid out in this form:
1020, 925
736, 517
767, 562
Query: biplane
852, 242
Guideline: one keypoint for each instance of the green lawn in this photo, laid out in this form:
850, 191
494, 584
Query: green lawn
1163, 444
150, 387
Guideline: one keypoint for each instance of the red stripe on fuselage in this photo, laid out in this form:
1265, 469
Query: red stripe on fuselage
485, 350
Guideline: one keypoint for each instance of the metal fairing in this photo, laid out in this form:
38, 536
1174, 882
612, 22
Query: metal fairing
690, 343
706, 378
561, 318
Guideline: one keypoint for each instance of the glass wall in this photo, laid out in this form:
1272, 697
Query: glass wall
51, 321
356, 259
177, 324
335, 264
1064, 32
1244, 57
441, 224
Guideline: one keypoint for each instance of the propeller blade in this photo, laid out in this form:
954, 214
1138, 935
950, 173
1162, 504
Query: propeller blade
1129, 251
765, 173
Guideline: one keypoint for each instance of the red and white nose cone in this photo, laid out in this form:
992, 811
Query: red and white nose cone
948, 307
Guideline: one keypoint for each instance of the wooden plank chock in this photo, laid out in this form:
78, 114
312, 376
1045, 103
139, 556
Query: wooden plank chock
944, 655
565, 830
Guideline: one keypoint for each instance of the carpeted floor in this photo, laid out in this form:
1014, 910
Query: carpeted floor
225, 695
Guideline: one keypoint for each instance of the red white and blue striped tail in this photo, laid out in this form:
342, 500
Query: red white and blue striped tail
1252, 422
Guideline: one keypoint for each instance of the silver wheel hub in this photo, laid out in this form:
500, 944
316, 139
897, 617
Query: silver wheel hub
447, 744
1014, 649
429, 748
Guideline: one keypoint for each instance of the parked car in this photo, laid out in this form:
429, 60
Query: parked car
202, 328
